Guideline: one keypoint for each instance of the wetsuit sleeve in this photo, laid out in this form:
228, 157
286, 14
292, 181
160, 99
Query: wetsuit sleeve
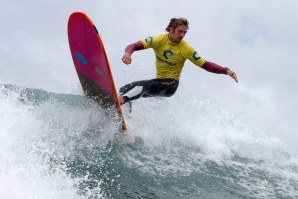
134, 47
214, 68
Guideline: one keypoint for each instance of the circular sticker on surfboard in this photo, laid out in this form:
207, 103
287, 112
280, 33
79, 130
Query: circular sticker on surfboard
81, 58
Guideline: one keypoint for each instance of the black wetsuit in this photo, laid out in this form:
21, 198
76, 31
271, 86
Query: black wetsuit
148, 88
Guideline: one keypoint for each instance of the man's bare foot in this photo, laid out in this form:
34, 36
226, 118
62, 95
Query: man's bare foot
120, 98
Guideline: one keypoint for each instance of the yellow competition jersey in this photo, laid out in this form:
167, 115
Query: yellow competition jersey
170, 57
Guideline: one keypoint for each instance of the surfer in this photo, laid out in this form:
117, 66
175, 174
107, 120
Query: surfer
171, 51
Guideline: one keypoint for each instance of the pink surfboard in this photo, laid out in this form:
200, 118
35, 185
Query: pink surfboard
91, 62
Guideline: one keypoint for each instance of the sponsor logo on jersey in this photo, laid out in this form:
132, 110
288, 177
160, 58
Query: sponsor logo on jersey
195, 56
165, 61
149, 40
168, 52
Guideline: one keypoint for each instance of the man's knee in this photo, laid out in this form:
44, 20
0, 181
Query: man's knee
124, 89
170, 92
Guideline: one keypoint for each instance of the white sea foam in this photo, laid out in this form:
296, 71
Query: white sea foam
27, 142
180, 137
170, 138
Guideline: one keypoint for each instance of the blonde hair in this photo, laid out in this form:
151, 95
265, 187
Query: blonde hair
175, 22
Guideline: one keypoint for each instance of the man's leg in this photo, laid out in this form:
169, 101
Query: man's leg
148, 88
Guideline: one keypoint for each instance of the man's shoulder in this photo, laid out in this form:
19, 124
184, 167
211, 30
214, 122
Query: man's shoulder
186, 49
184, 44
161, 37
154, 40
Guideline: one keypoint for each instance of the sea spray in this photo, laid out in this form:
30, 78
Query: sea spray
66, 146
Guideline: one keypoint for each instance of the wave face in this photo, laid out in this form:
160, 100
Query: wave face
66, 146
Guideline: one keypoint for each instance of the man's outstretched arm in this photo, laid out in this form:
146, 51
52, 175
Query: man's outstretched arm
214, 68
130, 49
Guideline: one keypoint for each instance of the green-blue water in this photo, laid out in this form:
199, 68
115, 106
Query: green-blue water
66, 146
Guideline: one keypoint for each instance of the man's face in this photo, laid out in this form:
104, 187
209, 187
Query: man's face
176, 35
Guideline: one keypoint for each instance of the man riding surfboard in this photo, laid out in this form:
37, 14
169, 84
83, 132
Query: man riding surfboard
171, 52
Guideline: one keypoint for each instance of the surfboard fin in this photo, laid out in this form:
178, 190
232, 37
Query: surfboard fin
130, 106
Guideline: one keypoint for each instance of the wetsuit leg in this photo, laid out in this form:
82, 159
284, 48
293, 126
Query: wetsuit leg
149, 88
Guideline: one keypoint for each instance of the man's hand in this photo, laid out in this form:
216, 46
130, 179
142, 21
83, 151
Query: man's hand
231, 74
126, 58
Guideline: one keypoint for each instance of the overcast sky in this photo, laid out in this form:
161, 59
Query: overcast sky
257, 39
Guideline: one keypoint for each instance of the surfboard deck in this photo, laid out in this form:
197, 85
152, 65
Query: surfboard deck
91, 62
